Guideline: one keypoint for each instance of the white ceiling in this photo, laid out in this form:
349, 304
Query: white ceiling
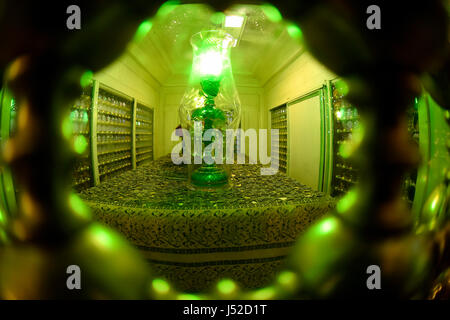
264, 48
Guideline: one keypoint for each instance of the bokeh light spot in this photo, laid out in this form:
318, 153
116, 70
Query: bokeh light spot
67, 127
86, 78
294, 31
167, 8
80, 144
160, 286
271, 12
78, 206
226, 286
347, 201
142, 30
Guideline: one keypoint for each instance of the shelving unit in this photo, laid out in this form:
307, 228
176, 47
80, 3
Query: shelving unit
144, 134
80, 117
114, 133
119, 131
279, 121
345, 121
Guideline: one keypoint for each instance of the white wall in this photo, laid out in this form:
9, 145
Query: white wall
304, 141
127, 76
170, 102
252, 111
303, 75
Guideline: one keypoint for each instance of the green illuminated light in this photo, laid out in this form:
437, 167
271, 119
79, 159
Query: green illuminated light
67, 127
187, 296
264, 294
347, 201
142, 30
339, 114
358, 134
101, 236
210, 63
345, 150
80, 144
342, 87
287, 278
226, 286
2, 218
160, 286
78, 206
234, 21
294, 31
327, 225
166, 8
434, 203
271, 12
86, 78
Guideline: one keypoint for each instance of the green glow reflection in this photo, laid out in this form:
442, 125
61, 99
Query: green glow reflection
287, 278
160, 286
101, 236
78, 206
344, 150
271, 12
2, 218
166, 8
342, 87
347, 201
187, 296
80, 144
327, 225
294, 31
66, 127
86, 78
264, 294
142, 30
226, 286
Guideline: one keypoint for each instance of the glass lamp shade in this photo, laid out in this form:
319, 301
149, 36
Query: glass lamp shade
211, 101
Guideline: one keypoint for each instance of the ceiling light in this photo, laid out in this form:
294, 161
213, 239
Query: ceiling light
234, 21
